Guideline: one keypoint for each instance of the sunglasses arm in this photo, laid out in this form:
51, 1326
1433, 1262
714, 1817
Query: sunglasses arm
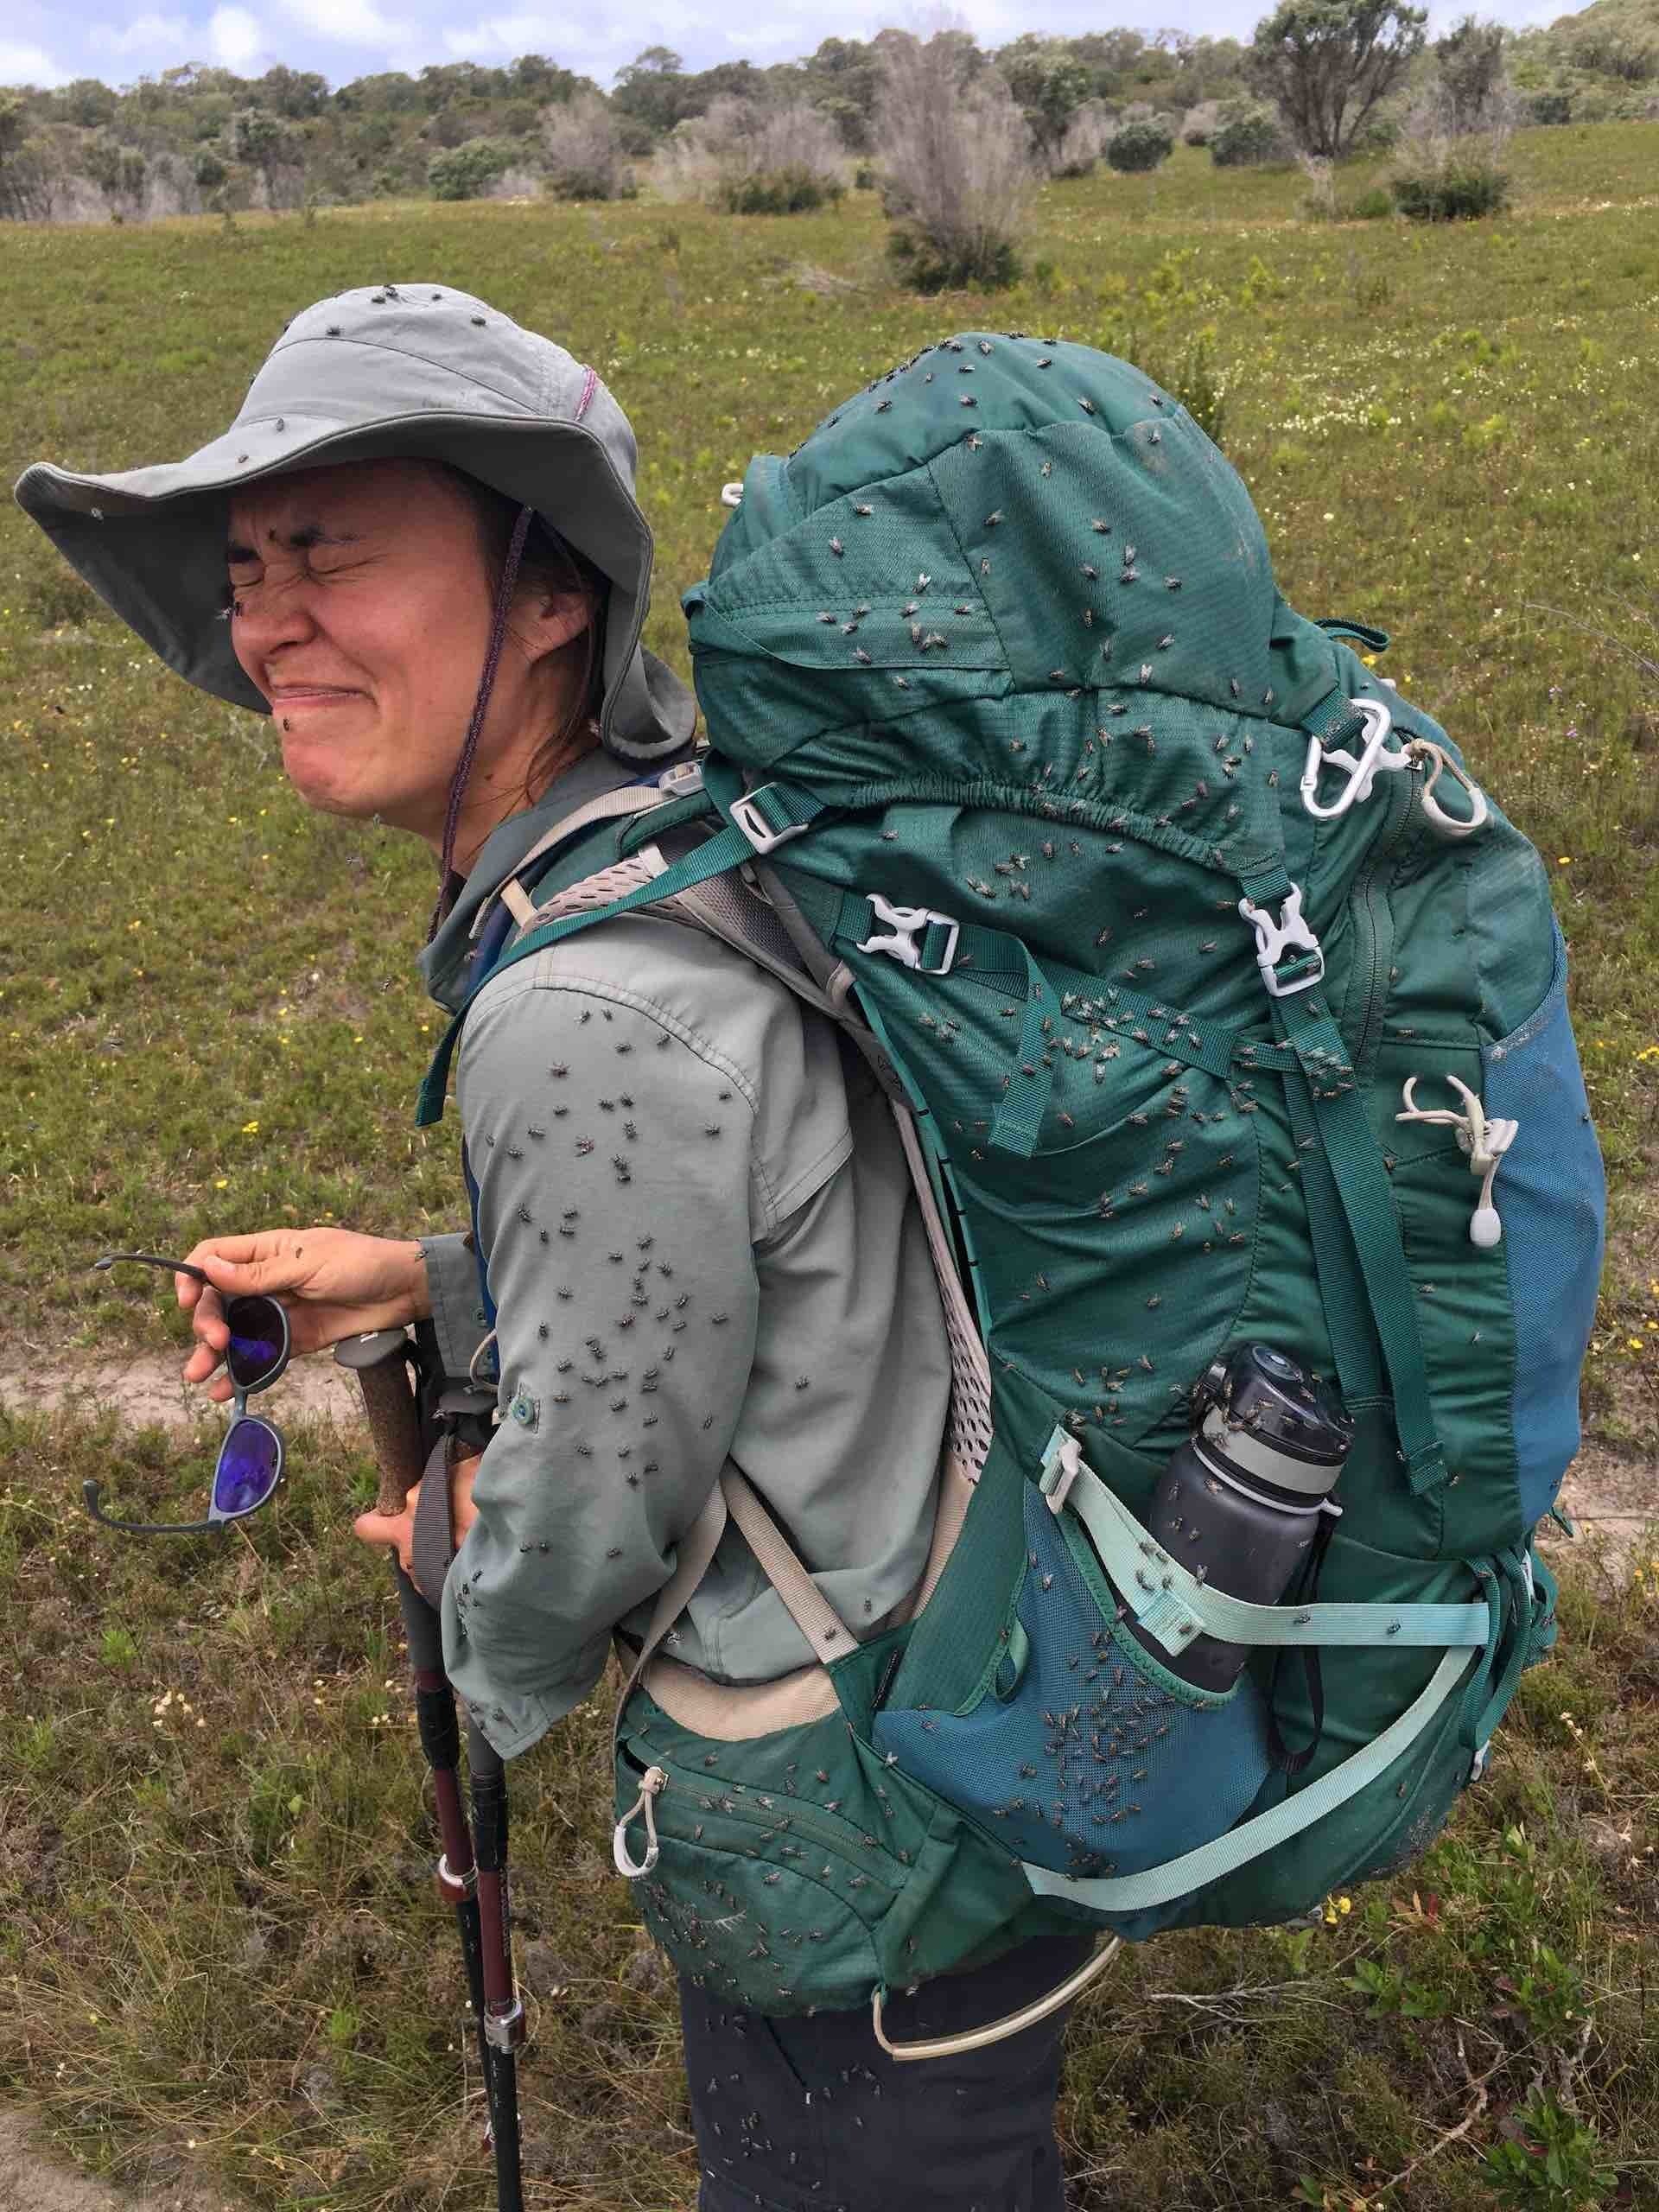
91, 1490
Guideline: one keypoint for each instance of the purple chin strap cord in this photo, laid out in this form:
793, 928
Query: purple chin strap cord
464, 765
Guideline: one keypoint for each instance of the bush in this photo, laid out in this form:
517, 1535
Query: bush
1371, 207
1198, 123
465, 172
987, 265
750, 158
582, 148
1550, 108
1083, 141
1459, 190
790, 191
1246, 135
1138, 147
957, 169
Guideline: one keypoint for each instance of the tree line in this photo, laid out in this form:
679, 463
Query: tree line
1319, 78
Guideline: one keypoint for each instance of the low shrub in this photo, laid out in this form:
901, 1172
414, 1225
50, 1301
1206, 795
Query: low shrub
1371, 207
1459, 189
466, 172
1551, 107
790, 191
755, 158
975, 264
1246, 135
1135, 148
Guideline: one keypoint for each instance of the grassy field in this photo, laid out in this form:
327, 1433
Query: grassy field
216, 1947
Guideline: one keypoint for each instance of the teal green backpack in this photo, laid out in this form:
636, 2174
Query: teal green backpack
1221, 1007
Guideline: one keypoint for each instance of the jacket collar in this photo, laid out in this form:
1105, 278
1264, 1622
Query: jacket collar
445, 964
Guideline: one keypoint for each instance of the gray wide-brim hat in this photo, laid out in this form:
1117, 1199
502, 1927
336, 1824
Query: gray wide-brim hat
393, 371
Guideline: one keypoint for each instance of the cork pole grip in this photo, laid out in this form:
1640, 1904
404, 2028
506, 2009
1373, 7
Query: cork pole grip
380, 1362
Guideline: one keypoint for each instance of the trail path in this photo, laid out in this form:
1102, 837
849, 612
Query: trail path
31, 2182
1612, 1497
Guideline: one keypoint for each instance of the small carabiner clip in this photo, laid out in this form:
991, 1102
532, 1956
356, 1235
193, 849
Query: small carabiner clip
1378, 721
1435, 763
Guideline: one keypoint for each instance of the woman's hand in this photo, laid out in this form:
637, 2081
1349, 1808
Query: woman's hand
398, 1529
334, 1282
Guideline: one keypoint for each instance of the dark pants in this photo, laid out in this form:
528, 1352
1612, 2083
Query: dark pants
811, 2115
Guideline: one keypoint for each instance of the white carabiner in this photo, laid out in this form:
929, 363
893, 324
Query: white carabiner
652, 1781
731, 495
1442, 763
1361, 772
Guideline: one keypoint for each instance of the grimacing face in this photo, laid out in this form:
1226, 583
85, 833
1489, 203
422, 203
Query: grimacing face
361, 606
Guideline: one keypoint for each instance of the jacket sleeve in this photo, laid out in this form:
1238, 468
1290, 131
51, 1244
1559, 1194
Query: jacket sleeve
613, 1150
452, 1285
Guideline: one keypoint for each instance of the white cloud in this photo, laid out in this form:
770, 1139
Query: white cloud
235, 39
28, 65
509, 36
349, 22
144, 31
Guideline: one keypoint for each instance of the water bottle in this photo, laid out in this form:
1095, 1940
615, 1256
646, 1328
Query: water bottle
1239, 1503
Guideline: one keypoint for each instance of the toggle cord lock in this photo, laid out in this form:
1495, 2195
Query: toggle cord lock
1485, 1141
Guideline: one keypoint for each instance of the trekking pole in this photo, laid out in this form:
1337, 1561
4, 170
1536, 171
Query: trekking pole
477, 1889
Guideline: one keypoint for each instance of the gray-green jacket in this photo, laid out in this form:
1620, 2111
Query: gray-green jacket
702, 1244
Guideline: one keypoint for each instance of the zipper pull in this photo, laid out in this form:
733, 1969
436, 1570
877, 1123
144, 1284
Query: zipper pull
652, 1782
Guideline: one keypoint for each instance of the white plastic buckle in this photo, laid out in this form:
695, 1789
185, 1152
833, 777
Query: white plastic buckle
749, 820
904, 923
683, 777
1361, 772
1290, 933
1060, 1472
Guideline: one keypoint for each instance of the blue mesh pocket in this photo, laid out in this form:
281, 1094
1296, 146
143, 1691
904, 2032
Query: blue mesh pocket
1551, 1196
1080, 1752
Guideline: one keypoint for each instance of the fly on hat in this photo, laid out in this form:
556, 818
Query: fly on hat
391, 371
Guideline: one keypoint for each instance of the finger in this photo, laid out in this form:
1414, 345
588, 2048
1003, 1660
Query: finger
202, 1363
382, 1528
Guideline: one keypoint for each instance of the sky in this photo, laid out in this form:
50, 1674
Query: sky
42, 44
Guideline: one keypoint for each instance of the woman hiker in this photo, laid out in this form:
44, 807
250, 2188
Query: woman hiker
419, 549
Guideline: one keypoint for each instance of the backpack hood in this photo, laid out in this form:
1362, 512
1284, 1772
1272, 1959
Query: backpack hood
388, 371
1002, 517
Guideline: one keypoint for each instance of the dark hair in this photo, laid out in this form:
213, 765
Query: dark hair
554, 565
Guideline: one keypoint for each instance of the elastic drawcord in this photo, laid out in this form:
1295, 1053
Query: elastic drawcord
474, 728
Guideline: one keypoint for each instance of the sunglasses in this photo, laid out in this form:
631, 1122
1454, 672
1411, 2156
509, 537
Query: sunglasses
252, 1457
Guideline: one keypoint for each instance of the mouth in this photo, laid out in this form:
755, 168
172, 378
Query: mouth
310, 695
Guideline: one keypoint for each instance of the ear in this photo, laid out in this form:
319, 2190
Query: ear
544, 621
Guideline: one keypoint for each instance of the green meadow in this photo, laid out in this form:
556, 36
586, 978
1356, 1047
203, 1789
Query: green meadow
219, 1954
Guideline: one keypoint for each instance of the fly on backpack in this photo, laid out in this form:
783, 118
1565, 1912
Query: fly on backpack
1225, 1018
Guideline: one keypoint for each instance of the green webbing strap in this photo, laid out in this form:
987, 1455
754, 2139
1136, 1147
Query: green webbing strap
1336, 1270
1173, 1606
1359, 1179
1253, 1839
1361, 1183
1520, 1651
1025, 1097
1339, 626
723, 850
1333, 722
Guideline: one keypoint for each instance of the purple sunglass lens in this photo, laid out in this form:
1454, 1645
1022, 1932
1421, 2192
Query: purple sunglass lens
258, 1340
250, 1461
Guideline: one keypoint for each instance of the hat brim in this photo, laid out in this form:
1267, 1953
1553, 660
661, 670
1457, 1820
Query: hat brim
150, 542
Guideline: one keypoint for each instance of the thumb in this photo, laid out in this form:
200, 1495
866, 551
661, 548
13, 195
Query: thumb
382, 1528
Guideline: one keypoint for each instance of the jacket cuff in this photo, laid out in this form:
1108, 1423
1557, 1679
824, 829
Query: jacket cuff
458, 1319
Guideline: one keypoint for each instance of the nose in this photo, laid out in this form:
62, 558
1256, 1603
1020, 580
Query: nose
271, 618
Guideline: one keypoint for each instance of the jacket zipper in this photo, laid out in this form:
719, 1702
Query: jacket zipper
1364, 899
